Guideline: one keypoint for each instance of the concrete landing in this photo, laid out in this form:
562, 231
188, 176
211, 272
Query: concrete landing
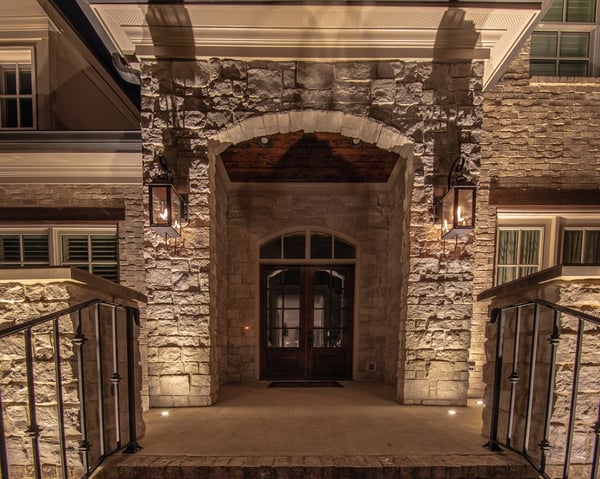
358, 431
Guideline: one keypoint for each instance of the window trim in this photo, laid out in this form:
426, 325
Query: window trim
518, 265
554, 223
4, 52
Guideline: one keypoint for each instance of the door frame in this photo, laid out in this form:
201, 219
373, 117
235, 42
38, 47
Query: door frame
306, 321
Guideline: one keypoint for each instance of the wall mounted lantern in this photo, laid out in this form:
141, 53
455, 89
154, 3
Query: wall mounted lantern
458, 204
165, 209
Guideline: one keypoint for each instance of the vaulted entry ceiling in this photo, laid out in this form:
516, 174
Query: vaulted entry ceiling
308, 157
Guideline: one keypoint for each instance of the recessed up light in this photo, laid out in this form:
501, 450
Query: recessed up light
355, 142
452, 412
264, 141
164, 413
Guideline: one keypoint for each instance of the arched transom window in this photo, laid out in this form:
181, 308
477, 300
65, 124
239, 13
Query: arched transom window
307, 245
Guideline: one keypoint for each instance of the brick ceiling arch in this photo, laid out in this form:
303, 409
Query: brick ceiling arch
310, 146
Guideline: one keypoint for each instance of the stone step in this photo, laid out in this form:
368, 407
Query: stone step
485, 466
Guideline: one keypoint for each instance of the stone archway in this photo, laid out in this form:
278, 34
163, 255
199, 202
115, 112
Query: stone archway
353, 126
192, 110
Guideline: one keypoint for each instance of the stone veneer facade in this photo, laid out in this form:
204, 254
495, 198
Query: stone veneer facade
415, 293
538, 133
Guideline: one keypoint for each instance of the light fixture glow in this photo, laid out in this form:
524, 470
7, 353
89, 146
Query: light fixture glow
452, 412
165, 209
456, 210
164, 413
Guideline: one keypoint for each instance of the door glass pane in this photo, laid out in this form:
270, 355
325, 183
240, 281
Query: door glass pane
574, 44
592, 247
321, 246
291, 324
555, 13
343, 250
572, 68
330, 310
544, 44
283, 314
581, 11
271, 249
294, 246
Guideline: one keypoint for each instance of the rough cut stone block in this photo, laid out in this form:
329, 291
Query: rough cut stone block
263, 83
355, 71
314, 75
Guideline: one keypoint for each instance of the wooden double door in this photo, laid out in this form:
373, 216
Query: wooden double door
306, 322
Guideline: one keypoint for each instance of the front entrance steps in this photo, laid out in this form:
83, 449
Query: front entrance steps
352, 432
485, 466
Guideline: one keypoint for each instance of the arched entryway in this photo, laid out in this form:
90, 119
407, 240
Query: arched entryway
312, 315
306, 306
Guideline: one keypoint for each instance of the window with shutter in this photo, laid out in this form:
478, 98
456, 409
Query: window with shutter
93, 250
96, 253
24, 250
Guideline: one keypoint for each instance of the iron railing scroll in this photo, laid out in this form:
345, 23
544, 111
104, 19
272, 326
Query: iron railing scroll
79, 409
541, 407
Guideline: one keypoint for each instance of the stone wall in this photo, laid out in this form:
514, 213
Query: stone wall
130, 231
433, 107
537, 133
21, 301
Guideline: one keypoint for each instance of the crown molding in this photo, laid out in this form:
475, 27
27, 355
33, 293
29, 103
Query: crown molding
483, 31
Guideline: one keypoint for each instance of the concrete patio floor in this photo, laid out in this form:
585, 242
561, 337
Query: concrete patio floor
344, 429
361, 418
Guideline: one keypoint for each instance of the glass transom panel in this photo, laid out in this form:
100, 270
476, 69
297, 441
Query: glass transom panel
307, 245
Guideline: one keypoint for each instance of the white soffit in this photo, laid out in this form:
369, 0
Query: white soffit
488, 32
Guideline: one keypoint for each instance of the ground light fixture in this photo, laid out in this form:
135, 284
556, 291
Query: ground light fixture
457, 207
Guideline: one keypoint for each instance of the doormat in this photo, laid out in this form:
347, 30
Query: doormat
305, 384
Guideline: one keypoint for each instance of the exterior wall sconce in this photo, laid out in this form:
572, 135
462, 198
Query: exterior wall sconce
457, 207
165, 209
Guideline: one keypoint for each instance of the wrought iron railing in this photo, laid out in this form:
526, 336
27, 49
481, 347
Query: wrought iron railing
546, 389
69, 378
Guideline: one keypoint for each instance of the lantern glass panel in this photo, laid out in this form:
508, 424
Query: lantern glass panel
464, 208
160, 205
448, 212
176, 212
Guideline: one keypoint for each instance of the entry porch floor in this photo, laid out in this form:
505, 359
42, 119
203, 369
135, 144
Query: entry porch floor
357, 431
